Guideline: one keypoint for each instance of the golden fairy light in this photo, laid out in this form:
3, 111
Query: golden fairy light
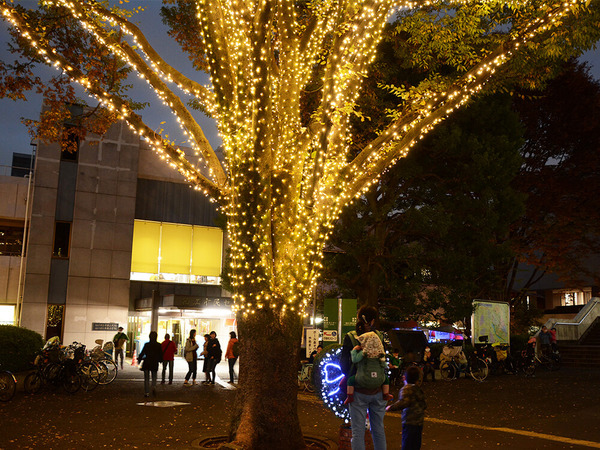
282, 185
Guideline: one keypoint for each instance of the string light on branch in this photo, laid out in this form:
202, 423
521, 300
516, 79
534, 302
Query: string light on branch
283, 179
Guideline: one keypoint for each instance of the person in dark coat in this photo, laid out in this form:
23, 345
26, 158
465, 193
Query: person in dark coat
214, 356
151, 356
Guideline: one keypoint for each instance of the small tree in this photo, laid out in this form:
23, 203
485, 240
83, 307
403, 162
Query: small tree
287, 171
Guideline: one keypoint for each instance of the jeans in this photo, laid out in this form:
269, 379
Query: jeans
147, 381
411, 436
375, 405
119, 352
231, 362
212, 365
170, 364
192, 367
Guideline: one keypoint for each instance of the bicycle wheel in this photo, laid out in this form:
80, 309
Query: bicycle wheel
102, 372
33, 383
8, 386
89, 374
51, 372
478, 369
71, 381
447, 371
308, 382
509, 367
111, 371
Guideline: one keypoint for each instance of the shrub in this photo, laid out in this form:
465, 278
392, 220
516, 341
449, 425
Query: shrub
18, 347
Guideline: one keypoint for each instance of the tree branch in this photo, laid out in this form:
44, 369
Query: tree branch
403, 133
115, 103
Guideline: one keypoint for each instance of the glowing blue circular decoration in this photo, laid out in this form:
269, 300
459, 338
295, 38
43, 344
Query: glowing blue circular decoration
327, 379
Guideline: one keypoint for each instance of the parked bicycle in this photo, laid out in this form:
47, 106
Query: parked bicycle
52, 367
305, 378
108, 368
531, 360
8, 385
497, 356
453, 362
89, 371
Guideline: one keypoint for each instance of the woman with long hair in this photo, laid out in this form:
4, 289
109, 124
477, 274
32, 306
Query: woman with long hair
191, 357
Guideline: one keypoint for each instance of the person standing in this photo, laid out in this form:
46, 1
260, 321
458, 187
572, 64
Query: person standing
150, 356
545, 340
119, 341
412, 403
428, 364
214, 356
205, 363
314, 354
365, 401
191, 357
553, 340
168, 355
230, 355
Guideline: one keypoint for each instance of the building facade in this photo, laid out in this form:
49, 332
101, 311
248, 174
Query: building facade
118, 238
14, 193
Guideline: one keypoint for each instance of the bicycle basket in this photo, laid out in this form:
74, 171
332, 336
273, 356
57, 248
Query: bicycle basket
501, 354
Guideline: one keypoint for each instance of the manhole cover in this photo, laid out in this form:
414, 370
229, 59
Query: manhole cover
312, 443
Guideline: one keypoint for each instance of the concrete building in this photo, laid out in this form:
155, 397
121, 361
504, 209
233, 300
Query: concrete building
116, 238
556, 298
13, 207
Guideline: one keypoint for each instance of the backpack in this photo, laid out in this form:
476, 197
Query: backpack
235, 349
370, 372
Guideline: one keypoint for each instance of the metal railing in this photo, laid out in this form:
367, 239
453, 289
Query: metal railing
574, 329
14, 171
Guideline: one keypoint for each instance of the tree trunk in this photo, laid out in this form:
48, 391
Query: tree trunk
265, 413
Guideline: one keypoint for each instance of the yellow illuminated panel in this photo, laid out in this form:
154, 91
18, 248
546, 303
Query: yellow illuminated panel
175, 248
207, 251
144, 253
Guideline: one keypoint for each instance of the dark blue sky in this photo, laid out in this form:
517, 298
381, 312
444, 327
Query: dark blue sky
14, 134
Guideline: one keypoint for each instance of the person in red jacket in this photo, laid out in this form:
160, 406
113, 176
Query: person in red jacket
231, 355
168, 348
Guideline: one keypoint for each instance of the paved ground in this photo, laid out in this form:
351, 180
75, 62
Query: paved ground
555, 410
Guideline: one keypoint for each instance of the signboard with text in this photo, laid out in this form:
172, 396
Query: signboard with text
312, 340
105, 326
330, 335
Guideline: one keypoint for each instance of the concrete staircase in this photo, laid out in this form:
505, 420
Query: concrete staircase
585, 353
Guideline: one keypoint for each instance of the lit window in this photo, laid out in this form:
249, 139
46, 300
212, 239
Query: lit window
7, 314
176, 253
11, 240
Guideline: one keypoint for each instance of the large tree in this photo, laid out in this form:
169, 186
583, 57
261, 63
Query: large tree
288, 170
